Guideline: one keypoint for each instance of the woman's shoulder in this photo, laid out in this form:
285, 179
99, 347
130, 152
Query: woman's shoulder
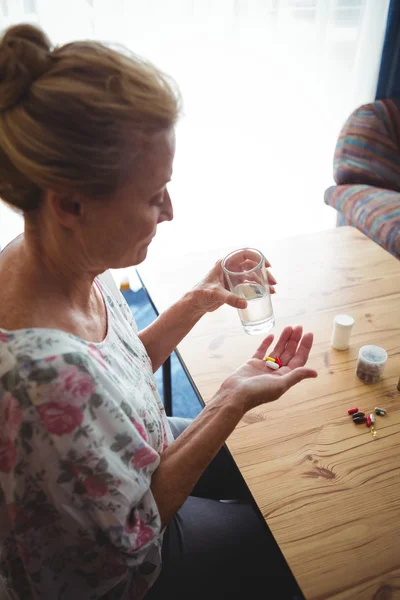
44, 368
37, 351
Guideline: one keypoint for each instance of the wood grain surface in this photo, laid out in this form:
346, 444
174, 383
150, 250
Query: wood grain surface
328, 490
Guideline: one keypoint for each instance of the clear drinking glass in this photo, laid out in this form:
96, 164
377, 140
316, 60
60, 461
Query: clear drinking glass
246, 275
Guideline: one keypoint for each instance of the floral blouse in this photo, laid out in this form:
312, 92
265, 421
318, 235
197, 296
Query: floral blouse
82, 427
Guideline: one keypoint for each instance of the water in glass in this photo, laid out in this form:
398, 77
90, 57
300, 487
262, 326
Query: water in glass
258, 316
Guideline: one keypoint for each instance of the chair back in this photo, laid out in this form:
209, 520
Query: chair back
368, 148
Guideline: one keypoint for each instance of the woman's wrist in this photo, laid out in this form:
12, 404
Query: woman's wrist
193, 301
232, 400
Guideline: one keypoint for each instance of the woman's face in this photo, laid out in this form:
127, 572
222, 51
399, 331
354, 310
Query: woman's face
117, 233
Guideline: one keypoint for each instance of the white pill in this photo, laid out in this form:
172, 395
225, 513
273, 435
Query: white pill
272, 365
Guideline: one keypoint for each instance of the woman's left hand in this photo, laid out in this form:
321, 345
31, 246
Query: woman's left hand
211, 292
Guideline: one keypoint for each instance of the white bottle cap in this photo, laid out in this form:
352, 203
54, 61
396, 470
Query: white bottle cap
344, 321
342, 326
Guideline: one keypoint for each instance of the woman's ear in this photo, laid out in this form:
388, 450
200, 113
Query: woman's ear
66, 208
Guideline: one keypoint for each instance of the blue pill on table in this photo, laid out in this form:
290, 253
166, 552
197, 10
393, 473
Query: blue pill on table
358, 420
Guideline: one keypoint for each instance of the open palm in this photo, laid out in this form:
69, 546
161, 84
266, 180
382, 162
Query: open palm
259, 384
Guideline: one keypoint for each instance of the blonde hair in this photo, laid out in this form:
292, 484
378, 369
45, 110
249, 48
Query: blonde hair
73, 118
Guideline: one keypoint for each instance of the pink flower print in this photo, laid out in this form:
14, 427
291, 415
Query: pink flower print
11, 417
143, 457
60, 419
95, 488
72, 385
3, 337
140, 429
8, 455
95, 353
144, 533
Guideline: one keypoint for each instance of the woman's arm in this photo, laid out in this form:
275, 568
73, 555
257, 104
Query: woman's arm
183, 462
162, 337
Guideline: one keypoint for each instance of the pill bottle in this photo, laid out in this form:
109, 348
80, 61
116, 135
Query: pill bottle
371, 363
342, 326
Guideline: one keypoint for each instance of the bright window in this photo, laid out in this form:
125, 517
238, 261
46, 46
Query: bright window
266, 87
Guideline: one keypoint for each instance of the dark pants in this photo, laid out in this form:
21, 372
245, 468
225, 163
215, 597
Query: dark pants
218, 546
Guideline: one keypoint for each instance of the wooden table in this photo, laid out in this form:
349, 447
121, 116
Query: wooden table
328, 490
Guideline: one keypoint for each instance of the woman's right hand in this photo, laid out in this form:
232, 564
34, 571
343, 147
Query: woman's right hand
254, 383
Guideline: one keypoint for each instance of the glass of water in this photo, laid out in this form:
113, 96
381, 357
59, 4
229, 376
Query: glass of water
246, 274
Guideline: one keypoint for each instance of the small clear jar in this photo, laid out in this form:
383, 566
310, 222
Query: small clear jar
371, 363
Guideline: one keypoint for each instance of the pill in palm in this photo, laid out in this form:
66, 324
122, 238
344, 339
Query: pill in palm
272, 365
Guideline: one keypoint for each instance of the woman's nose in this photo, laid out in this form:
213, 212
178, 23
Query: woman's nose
167, 212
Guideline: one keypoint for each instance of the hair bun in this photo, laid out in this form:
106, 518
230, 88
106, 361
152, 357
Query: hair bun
24, 56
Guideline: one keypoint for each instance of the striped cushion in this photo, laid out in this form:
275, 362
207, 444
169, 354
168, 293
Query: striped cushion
374, 211
368, 148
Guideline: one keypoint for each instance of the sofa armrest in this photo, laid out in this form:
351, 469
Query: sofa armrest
374, 211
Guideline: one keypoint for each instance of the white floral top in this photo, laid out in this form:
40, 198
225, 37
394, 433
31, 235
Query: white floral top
82, 427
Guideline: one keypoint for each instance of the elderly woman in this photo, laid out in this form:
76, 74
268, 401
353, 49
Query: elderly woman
94, 491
